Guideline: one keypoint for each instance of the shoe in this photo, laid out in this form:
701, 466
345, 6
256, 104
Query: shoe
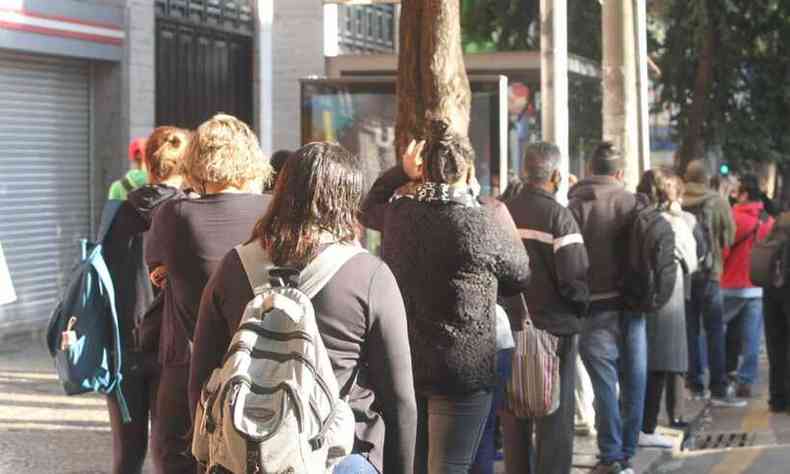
777, 407
727, 401
627, 467
654, 440
611, 468
679, 424
699, 394
744, 390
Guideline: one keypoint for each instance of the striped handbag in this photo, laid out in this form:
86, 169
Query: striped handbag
533, 390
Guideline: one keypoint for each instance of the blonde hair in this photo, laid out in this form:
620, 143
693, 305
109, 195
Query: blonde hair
164, 152
224, 152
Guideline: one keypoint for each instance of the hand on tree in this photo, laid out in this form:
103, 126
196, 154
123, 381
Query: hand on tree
412, 160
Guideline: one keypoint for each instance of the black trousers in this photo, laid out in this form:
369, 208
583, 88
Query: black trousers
656, 382
171, 438
552, 451
130, 440
776, 313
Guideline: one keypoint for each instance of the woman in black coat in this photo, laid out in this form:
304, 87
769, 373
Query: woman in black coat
123, 252
450, 258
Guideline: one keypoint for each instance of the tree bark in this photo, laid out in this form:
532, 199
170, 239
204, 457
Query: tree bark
432, 80
693, 145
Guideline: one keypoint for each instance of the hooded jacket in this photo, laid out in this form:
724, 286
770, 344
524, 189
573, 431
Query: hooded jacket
558, 295
602, 208
753, 225
723, 231
123, 252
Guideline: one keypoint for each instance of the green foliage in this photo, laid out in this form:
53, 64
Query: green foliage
514, 25
748, 104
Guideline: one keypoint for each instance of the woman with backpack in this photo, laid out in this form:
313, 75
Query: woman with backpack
667, 350
359, 311
123, 253
187, 240
451, 258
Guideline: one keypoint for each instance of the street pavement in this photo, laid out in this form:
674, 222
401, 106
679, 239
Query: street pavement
44, 431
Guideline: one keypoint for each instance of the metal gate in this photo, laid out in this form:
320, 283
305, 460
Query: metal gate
204, 60
44, 177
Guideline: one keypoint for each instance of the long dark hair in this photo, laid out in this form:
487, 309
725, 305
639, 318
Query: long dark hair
448, 156
318, 192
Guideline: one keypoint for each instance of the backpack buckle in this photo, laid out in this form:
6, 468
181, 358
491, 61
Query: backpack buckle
317, 442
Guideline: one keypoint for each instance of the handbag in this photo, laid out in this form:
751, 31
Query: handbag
533, 390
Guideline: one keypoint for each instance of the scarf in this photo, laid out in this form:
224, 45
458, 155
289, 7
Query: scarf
431, 192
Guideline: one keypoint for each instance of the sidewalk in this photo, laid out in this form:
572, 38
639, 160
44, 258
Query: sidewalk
42, 430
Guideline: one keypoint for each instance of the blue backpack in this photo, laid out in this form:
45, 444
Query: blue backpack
83, 335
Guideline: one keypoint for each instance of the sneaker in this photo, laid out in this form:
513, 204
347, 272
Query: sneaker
627, 468
699, 394
612, 468
679, 424
727, 401
654, 440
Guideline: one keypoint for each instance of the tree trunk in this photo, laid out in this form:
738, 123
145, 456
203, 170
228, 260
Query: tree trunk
693, 145
432, 80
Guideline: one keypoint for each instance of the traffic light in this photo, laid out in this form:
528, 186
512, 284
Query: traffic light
724, 169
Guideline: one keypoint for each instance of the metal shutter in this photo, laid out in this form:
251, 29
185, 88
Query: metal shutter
44, 178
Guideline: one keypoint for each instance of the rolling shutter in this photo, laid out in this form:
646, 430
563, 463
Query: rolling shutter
44, 177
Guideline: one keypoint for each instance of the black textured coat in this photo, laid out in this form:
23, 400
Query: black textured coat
450, 261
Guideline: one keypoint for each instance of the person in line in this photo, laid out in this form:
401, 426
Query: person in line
612, 342
450, 258
135, 177
277, 161
776, 312
558, 300
667, 353
743, 301
123, 252
704, 308
188, 238
360, 312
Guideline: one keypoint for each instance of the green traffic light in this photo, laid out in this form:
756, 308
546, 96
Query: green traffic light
724, 169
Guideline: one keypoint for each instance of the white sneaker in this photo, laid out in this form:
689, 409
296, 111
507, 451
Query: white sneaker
654, 440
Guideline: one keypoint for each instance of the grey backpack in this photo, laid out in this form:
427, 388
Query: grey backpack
274, 405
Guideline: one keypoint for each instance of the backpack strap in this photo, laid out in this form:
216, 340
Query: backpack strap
313, 278
256, 263
318, 272
108, 214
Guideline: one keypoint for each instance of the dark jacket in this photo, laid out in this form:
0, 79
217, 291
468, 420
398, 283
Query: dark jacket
362, 322
449, 260
603, 207
723, 231
558, 294
123, 252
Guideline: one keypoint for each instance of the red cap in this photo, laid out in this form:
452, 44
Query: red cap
136, 146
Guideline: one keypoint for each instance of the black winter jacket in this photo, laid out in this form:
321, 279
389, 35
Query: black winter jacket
558, 294
449, 261
123, 252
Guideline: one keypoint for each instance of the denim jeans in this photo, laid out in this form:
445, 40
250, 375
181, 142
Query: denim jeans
744, 320
355, 464
486, 452
613, 346
449, 430
706, 309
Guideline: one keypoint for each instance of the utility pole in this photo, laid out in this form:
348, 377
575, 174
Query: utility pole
554, 80
625, 114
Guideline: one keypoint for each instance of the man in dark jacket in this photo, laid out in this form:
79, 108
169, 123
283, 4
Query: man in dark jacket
557, 299
715, 218
613, 343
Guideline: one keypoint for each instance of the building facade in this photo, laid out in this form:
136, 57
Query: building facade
80, 78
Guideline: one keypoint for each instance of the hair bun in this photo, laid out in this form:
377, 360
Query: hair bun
439, 130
